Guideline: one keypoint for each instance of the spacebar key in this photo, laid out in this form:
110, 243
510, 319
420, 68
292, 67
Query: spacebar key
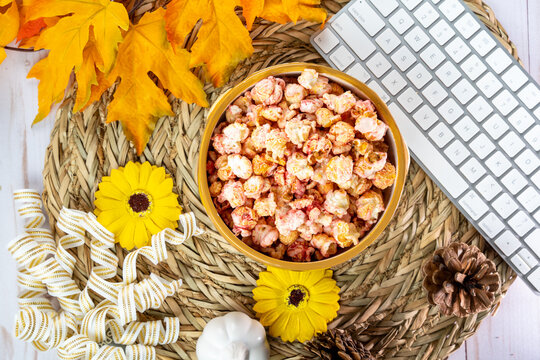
428, 154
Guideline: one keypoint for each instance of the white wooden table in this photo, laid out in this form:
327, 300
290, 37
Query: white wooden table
514, 333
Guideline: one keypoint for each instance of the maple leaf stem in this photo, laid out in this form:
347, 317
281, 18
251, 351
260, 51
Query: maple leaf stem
18, 49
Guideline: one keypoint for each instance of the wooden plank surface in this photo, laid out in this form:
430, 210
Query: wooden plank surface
514, 333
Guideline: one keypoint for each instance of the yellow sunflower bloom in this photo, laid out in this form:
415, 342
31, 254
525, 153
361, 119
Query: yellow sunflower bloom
135, 202
296, 305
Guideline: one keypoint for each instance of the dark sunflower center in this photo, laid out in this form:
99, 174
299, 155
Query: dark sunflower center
139, 202
296, 296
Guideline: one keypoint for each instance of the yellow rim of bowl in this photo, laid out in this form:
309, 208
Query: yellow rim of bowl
214, 115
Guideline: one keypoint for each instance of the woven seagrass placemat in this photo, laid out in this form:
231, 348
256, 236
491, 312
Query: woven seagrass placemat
381, 287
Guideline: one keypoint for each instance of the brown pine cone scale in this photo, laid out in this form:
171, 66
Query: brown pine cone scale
339, 344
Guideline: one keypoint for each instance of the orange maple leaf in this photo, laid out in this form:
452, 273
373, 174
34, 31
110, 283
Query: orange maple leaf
223, 41
251, 9
9, 25
138, 103
283, 11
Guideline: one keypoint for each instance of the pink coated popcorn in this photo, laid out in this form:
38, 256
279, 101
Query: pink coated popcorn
317, 145
265, 235
288, 220
248, 149
308, 78
365, 124
255, 186
233, 192
276, 143
378, 133
341, 133
295, 93
298, 130
244, 220
308, 229
345, 233
327, 245
300, 251
224, 145
240, 165
301, 203
361, 147
326, 118
337, 202
253, 115
363, 106
243, 102
339, 169
268, 91
258, 136
272, 113
341, 149
339, 103
356, 186
321, 86
265, 206
233, 112
370, 163
264, 166
236, 132
311, 105
298, 166
369, 205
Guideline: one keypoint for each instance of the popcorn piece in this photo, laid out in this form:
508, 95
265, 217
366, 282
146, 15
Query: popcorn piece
345, 233
339, 103
265, 235
272, 113
308, 78
236, 132
233, 112
253, 115
336, 89
298, 131
265, 206
311, 105
366, 124
341, 149
276, 143
224, 145
341, 133
339, 169
255, 186
370, 163
300, 251
268, 91
215, 188
249, 149
263, 166
321, 86
288, 220
295, 93
326, 244
369, 205
301, 203
360, 147
337, 202
258, 136
363, 106
240, 165
385, 177
244, 220
243, 102
317, 145
233, 192
308, 229
378, 133
277, 252
326, 118
298, 166
289, 238
357, 185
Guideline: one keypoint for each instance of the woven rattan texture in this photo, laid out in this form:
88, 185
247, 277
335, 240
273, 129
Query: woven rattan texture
382, 286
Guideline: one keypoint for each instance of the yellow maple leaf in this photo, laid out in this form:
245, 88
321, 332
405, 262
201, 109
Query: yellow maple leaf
67, 40
223, 41
251, 9
138, 103
9, 25
283, 11
87, 76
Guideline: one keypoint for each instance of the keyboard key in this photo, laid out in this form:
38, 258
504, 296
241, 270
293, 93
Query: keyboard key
457, 152
342, 57
419, 75
466, 128
537, 216
505, 205
442, 32
480, 109
388, 41
435, 93
450, 111
353, 36
499, 60
529, 258
515, 78
379, 90
467, 25
473, 67
428, 155
451, 9
521, 223
326, 40
417, 38
530, 95
473, 205
483, 43
489, 85
432, 56
498, 163
464, 91
530, 199
441, 134
520, 264
378, 65
533, 137
425, 117
410, 100
537, 113
521, 120
426, 14
488, 187
448, 73
495, 126
511, 144
472, 170
357, 71
403, 58
401, 21
508, 243
534, 278
411, 4
491, 225
366, 17
533, 240
457, 49
482, 146
505, 102
528, 161
394, 82
514, 181
385, 6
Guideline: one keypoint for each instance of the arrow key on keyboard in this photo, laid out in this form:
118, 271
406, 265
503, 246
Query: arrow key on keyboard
473, 205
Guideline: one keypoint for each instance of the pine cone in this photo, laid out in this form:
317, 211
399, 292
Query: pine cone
461, 280
339, 344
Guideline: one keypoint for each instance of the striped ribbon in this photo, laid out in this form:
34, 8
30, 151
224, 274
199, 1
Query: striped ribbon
78, 329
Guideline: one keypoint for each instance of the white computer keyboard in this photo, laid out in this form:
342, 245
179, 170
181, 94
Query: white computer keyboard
467, 110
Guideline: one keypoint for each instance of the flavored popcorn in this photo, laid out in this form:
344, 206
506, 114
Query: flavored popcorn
297, 167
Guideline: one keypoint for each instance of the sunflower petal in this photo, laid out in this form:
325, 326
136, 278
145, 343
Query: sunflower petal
263, 306
140, 235
279, 327
266, 292
269, 278
110, 190
144, 174
126, 237
119, 180
131, 172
